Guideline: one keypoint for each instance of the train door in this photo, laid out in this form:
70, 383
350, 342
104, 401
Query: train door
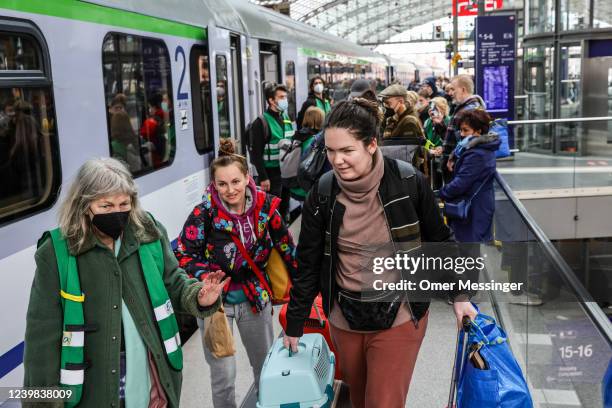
238, 86
289, 57
199, 61
253, 78
269, 66
222, 86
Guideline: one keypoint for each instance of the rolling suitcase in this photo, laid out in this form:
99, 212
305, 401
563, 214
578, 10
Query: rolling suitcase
298, 380
315, 323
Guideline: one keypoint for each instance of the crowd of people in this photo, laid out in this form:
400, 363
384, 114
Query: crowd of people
151, 145
108, 328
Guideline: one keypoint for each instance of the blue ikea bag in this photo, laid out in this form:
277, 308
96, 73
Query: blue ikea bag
503, 384
500, 126
606, 387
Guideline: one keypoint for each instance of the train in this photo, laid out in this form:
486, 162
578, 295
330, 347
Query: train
78, 79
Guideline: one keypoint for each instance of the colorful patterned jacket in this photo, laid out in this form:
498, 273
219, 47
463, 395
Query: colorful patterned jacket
205, 244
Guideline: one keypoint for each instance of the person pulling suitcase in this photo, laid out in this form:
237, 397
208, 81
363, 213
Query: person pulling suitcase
361, 210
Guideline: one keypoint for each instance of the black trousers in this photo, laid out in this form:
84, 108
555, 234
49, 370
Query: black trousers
278, 189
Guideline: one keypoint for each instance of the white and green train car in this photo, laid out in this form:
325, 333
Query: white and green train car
78, 79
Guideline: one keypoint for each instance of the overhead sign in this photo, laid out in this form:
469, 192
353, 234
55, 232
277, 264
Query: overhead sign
495, 56
470, 7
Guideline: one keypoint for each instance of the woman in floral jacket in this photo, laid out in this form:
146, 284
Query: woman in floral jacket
234, 209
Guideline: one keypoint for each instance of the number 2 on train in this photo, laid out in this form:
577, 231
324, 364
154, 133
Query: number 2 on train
179, 94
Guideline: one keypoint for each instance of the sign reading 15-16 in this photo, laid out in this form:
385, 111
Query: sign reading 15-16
470, 7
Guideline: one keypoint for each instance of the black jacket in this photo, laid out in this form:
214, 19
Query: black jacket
258, 144
316, 269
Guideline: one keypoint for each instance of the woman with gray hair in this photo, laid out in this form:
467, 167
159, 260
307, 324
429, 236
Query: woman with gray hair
100, 322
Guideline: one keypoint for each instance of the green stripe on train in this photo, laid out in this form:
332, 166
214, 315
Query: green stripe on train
93, 13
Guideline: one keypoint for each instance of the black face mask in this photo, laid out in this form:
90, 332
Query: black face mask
111, 224
389, 112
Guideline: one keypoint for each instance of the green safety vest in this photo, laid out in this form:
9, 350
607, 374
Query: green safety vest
277, 133
72, 369
323, 105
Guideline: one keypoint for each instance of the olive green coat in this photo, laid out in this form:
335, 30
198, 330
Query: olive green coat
105, 280
405, 126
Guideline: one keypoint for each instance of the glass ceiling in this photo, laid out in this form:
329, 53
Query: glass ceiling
368, 21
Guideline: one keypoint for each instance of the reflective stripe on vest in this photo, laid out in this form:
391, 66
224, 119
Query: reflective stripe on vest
72, 378
152, 261
72, 368
277, 133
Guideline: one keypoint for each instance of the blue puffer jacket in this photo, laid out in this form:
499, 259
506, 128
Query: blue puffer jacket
474, 166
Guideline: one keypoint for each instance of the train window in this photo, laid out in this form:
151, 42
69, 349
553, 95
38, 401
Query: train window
29, 154
138, 92
269, 62
313, 68
222, 96
19, 52
202, 106
290, 84
341, 77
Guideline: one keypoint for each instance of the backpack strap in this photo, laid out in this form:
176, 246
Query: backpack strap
266, 129
324, 189
324, 192
407, 173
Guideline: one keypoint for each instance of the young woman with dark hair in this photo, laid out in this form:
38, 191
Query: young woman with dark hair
363, 210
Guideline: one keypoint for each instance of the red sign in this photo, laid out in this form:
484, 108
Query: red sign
470, 7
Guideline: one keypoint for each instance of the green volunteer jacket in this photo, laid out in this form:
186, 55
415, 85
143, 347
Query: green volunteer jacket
105, 280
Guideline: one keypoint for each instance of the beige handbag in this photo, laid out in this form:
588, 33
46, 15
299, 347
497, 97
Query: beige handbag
218, 336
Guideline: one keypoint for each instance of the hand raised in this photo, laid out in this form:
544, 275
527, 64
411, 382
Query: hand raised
213, 284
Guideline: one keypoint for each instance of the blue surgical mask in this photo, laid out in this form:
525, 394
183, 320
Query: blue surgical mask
283, 105
164, 106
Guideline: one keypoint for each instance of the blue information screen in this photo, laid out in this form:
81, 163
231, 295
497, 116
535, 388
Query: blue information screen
495, 59
496, 88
